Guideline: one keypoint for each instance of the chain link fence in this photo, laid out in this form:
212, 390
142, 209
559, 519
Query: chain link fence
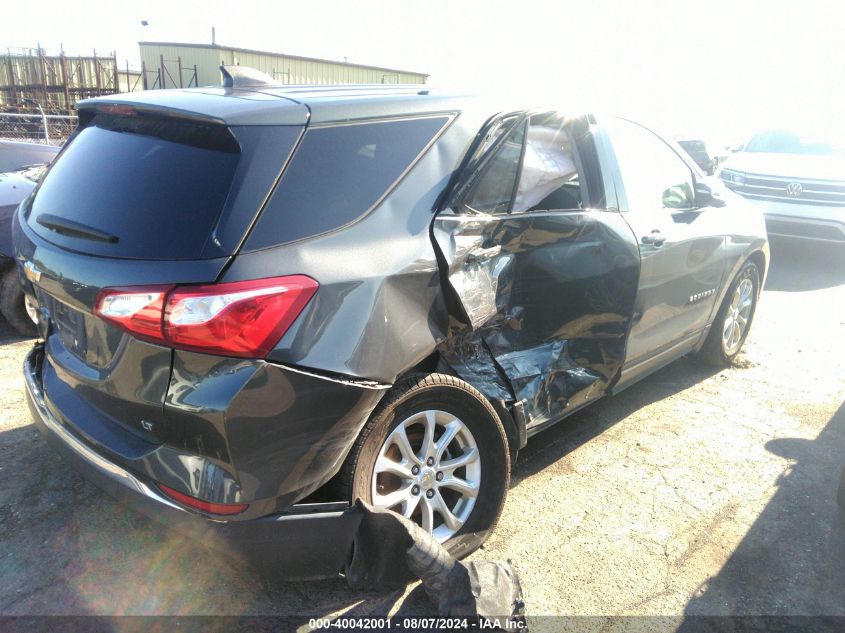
50, 129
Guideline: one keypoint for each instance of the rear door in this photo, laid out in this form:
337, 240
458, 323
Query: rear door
134, 200
681, 246
544, 273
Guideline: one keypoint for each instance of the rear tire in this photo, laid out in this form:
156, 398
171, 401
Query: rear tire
446, 405
12, 303
719, 349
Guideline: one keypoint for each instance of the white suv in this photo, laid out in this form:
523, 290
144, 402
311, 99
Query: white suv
799, 179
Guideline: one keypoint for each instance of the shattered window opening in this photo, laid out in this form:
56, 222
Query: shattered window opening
549, 178
492, 192
536, 168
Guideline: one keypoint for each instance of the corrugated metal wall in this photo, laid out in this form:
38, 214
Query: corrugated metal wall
284, 68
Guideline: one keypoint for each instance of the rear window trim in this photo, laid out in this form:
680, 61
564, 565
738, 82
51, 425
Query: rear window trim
450, 115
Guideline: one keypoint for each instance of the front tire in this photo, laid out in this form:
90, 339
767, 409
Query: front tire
13, 304
733, 321
436, 452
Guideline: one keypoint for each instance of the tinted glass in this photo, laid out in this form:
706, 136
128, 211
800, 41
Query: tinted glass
692, 146
337, 174
549, 178
493, 191
155, 186
653, 175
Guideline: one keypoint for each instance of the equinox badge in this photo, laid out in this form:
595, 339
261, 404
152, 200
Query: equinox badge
698, 296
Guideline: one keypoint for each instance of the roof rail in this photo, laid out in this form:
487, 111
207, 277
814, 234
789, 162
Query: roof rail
244, 76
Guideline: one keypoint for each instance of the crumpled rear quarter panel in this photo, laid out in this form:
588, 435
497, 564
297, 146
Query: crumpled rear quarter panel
279, 433
379, 309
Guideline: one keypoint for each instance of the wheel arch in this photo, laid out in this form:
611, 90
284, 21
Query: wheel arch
759, 256
512, 420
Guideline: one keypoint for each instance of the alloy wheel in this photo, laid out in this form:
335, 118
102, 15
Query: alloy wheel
429, 470
739, 312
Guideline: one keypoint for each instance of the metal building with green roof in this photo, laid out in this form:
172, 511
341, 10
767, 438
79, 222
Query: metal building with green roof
176, 64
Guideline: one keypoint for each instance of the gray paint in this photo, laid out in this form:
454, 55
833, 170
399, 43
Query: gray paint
549, 297
533, 309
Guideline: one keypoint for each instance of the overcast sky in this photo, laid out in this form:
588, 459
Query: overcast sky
711, 68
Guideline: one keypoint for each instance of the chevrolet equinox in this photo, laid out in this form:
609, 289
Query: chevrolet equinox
259, 303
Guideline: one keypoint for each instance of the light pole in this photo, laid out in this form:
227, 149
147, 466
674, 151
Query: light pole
43, 119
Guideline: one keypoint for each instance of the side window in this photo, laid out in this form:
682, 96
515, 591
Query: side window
492, 192
535, 169
338, 173
549, 177
653, 175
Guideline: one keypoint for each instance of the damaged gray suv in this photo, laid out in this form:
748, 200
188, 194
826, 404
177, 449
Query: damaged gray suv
260, 303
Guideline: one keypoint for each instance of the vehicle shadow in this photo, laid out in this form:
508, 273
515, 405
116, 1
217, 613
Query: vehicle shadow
63, 541
542, 450
798, 267
9, 335
792, 559
551, 445
67, 549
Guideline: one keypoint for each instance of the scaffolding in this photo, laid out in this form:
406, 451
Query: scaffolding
31, 78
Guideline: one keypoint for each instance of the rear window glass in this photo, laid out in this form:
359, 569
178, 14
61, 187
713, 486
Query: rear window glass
338, 174
137, 187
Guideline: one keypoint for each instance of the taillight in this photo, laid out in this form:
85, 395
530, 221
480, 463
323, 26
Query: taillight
136, 310
242, 318
204, 506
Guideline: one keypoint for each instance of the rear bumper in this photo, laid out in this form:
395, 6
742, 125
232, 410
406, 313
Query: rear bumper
804, 221
309, 541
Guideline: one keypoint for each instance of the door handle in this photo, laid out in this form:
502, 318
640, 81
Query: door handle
655, 238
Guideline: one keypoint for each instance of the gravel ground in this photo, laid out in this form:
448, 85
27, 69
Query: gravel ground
694, 492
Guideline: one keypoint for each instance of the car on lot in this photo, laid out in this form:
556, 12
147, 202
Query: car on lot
21, 165
260, 303
797, 179
14, 187
17, 155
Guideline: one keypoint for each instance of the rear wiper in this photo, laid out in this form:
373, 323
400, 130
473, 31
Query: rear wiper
74, 229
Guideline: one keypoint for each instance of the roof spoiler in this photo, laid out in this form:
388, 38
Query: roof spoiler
245, 77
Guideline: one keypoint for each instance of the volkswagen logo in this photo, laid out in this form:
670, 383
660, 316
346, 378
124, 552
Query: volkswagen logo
794, 189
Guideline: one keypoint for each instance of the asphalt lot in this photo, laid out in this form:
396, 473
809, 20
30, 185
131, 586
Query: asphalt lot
694, 492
